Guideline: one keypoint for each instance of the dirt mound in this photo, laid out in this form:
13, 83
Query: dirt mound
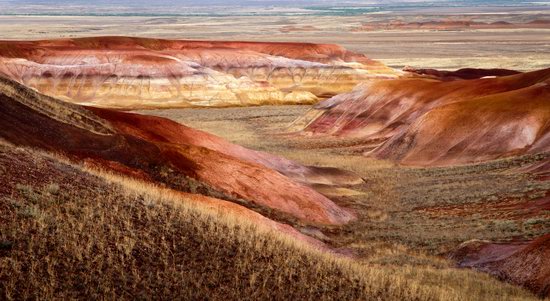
526, 263
97, 137
130, 73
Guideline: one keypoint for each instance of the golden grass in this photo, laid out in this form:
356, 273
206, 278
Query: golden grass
69, 233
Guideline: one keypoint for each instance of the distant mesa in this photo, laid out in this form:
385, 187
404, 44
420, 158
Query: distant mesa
465, 73
431, 122
541, 22
133, 73
294, 28
450, 24
164, 152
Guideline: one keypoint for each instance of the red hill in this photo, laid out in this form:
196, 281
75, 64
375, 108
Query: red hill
99, 138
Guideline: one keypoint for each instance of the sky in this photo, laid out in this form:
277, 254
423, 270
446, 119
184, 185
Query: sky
236, 2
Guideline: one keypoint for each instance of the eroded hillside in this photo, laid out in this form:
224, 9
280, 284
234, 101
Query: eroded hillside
421, 121
129, 73
115, 141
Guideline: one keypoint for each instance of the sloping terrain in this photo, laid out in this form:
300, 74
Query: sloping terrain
129, 73
97, 138
49, 171
433, 122
524, 263
69, 234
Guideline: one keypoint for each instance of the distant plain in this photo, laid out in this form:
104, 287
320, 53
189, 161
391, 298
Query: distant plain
512, 47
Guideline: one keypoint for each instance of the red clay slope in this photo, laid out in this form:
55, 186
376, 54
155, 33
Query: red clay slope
166, 131
523, 263
499, 125
432, 122
123, 72
30, 119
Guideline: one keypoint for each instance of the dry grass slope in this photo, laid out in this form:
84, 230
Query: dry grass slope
67, 233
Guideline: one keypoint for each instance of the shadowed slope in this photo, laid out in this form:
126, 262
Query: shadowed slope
122, 72
509, 114
183, 166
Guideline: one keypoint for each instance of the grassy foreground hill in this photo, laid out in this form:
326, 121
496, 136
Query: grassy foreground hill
69, 232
